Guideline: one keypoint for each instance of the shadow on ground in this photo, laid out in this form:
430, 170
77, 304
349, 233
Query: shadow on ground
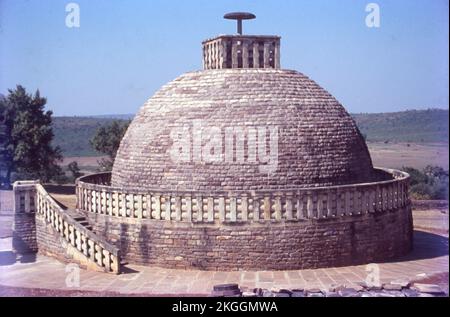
10, 258
60, 189
426, 245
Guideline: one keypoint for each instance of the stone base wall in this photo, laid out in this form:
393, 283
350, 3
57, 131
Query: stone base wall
24, 233
260, 246
51, 243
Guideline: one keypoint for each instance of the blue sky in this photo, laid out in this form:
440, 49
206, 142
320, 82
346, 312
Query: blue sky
125, 50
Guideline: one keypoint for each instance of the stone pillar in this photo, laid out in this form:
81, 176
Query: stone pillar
266, 55
256, 55
24, 224
244, 54
234, 55
277, 55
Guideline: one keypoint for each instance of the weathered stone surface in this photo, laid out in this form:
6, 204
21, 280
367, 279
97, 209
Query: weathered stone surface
403, 283
392, 287
348, 292
410, 292
293, 245
428, 288
319, 143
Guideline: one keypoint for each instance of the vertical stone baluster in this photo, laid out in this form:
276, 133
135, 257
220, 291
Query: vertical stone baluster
84, 247
309, 205
266, 55
348, 197
221, 209
94, 201
124, 204
91, 250
100, 201
78, 239
384, 198
267, 208
106, 260
52, 218
289, 197
57, 222
320, 211
98, 254
66, 231
168, 209
255, 55
244, 207
357, 202
210, 207
148, 207
139, 203
388, 197
299, 206
397, 196
339, 203
89, 200
391, 196
188, 208
116, 206
115, 267
256, 208
400, 193
372, 193
177, 208
234, 60
157, 207
233, 209
27, 202
278, 208
132, 211
330, 212
362, 200
199, 208
61, 225
71, 235
244, 54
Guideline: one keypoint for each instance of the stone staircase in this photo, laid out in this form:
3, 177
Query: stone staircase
78, 217
42, 224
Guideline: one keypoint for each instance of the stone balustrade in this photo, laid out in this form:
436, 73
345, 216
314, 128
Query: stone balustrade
96, 196
94, 248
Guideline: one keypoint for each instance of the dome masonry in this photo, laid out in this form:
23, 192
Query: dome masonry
318, 142
242, 123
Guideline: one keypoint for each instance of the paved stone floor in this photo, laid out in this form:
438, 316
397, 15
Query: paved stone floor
430, 256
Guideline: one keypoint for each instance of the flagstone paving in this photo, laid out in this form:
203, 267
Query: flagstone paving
430, 256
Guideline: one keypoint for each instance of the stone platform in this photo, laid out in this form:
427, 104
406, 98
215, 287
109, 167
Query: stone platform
430, 257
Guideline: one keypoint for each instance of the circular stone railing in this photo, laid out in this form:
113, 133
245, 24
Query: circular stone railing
95, 195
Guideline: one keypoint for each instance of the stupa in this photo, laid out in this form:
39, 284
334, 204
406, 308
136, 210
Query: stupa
242, 165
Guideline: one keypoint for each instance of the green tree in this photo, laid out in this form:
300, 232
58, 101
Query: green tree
28, 151
74, 169
107, 141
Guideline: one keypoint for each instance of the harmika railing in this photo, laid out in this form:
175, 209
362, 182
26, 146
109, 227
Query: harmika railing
96, 249
95, 195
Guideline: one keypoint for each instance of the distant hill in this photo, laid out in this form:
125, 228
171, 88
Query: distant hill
72, 134
415, 126
127, 116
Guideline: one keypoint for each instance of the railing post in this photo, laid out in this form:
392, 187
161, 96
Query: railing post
24, 224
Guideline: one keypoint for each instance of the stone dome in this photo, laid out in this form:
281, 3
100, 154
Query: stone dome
317, 142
